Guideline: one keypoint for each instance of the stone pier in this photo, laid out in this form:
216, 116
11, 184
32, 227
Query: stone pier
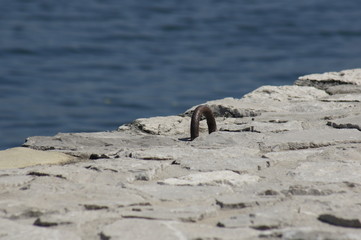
285, 163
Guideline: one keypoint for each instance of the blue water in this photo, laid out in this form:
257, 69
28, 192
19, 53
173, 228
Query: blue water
92, 65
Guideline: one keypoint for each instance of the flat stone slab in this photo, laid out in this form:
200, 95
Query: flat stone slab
333, 171
141, 229
352, 76
96, 145
215, 178
171, 125
285, 94
182, 193
311, 233
262, 127
344, 89
239, 201
11, 230
343, 98
297, 140
292, 156
188, 213
233, 159
144, 229
24, 157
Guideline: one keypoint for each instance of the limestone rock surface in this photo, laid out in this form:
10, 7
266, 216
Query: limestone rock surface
285, 163
324, 80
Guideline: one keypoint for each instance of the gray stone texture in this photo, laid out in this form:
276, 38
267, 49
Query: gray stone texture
285, 163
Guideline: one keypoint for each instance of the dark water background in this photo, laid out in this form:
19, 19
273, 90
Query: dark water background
92, 65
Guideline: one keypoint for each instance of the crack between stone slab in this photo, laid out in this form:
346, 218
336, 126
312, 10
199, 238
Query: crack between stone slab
338, 221
40, 174
295, 146
246, 129
321, 84
40, 223
92, 207
344, 126
103, 236
340, 101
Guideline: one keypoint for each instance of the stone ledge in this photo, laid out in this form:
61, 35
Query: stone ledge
284, 164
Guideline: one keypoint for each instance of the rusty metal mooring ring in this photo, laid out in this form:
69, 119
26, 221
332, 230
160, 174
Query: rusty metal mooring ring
196, 117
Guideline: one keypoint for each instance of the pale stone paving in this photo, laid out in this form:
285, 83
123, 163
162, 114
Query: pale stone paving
285, 163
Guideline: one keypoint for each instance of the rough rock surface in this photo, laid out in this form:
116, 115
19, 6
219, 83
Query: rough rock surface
329, 79
285, 163
24, 157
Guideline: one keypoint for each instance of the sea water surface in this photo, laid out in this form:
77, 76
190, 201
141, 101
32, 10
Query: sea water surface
92, 65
